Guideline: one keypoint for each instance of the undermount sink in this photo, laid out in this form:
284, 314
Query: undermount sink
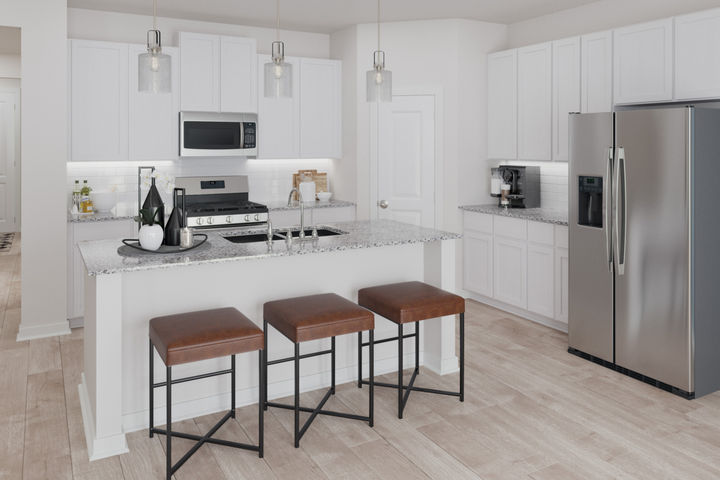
251, 238
262, 237
322, 232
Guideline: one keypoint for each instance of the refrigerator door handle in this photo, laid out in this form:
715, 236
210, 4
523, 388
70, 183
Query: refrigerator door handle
608, 210
620, 211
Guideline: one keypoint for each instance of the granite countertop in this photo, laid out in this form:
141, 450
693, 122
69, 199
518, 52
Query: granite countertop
545, 215
96, 217
332, 203
102, 257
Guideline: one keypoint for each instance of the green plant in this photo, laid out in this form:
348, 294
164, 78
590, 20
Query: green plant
148, 216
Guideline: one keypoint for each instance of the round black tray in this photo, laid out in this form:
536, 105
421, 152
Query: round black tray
167, 249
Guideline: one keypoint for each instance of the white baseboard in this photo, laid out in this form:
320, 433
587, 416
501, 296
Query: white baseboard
103, 447
42, 331
533, 317
77, 322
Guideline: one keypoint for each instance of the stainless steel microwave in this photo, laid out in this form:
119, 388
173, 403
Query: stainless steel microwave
207, 134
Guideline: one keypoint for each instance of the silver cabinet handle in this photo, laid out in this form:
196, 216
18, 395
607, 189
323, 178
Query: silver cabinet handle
608, 209
383, 204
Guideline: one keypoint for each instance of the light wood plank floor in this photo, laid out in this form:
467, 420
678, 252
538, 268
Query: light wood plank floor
532, 411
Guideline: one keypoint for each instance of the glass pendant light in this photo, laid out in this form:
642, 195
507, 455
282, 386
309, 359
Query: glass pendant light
154, 69
379, 80
278, 73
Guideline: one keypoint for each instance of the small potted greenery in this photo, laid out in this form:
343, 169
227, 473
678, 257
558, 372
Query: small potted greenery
151, 233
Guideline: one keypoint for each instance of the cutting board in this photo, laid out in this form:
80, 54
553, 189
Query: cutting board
320, 179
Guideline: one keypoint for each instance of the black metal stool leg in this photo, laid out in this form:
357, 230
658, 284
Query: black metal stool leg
297, 395
359, 360
152, 391
261, 403
232, 386
372, 379
462, 357
332, 365
264, 365
400, 370
417, 345
168, 425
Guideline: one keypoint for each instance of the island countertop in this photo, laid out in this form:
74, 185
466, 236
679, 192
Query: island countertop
103, 258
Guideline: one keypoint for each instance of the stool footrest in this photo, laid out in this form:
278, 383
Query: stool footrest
194, 377
330, 413
391, 339
307, 355
415, 389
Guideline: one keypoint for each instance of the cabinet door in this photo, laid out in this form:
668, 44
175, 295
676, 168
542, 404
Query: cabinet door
320, 108
153, 116
596, 83
334, 214
238, 75
566, 93
199, 72
279, 118
562, 286
534, 102
697, 61
541, 286
478, 262
99, 101
502, 105
510, 271
643, 63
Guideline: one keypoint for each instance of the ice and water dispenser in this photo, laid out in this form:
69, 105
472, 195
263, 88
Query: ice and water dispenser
590, 200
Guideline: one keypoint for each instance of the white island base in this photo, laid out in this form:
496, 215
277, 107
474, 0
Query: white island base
118, 307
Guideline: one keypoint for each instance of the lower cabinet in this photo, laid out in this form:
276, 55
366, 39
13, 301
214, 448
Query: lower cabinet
520, 263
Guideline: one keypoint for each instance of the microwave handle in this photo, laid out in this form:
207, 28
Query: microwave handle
242, 135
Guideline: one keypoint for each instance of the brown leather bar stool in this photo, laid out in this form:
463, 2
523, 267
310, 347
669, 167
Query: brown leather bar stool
411, 302
316, 317
191, 337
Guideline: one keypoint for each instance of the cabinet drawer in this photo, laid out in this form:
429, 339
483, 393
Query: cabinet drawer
510, 227
541, 233
561, 236
480, 222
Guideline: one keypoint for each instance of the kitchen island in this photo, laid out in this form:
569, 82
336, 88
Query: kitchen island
123, 291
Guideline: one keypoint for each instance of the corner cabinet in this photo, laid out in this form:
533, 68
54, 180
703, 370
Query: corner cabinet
534, 80
565, 93
643, 63
502, 105
697, 63
596, 73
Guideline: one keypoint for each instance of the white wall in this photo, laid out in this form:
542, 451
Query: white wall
122, 27
9, 66
44, 147
597, 16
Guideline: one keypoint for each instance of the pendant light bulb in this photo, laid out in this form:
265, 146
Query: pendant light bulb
154, 67
277, 72
379, 80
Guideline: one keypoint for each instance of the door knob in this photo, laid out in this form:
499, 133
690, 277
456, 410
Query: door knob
383, 204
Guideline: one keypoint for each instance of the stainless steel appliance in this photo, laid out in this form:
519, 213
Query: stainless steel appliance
220, 202
206, 134
644, 267
524, 185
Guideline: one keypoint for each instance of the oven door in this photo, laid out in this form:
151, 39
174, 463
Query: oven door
214, 135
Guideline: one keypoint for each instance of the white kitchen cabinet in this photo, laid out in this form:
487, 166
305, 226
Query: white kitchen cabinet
238, 75
86, 231
153, 126
322, 216
534, 117
478, 262
596, 78
562, 286
697, 55
98, 101
540, 271
199, 72
510, 271
279, 118
502, 105
565, 93
320, 108
643, 63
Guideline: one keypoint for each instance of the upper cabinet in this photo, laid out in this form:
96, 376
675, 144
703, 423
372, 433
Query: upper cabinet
643, 63
534, 116
320, 108
596, 79
98, 101
279, 118
502, 105
218, 73
697, 55
565, 93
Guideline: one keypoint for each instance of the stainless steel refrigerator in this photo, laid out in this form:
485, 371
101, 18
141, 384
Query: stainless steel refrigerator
644, 224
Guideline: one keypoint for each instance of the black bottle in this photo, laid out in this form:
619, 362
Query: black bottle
176, 221
153, 202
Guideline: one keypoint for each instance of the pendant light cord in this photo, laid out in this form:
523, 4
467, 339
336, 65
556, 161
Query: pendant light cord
378, 23
154, 14
277, 19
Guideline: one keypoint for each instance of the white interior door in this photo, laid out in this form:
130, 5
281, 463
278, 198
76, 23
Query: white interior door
8, 216
406, 160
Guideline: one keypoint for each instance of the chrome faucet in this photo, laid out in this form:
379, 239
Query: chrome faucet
302, 210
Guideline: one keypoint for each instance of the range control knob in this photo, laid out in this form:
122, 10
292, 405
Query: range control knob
257, 217
210, 220
247, 218
228, 219
199, 220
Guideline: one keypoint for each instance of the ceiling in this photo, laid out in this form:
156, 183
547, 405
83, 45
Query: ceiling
327, 16
9, 41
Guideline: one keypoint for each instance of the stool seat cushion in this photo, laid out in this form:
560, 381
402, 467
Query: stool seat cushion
190, 337
410, 301
317, 316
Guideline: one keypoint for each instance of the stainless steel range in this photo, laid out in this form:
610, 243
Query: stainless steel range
220, 202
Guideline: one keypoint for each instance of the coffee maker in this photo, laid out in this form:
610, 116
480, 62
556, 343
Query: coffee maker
521, 184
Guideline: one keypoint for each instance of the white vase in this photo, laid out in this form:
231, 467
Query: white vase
151, 236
